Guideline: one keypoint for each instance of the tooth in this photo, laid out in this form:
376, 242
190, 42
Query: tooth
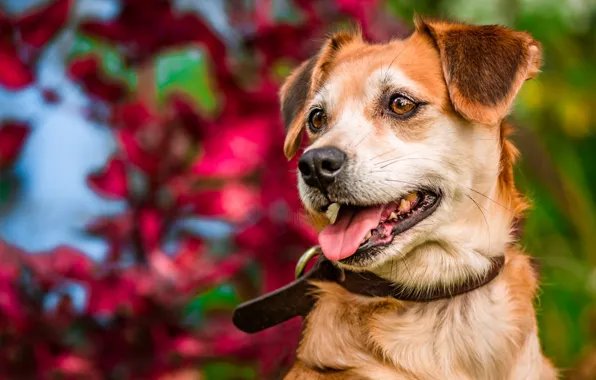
404, 206
412, 197
332, 212
393, 216
368, 235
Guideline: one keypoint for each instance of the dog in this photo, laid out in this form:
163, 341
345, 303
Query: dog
407, 175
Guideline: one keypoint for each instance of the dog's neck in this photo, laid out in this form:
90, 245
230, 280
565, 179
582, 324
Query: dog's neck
475, 228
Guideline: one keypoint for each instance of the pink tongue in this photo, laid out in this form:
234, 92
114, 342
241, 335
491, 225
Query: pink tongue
342, 239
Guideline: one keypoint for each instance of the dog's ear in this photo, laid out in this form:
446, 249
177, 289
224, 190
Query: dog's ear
293, 95
484, 66
303, 82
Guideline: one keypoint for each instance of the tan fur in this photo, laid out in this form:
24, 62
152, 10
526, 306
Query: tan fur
456, 141
487, 334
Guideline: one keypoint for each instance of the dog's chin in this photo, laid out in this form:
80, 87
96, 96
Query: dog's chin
374, 257
394, 231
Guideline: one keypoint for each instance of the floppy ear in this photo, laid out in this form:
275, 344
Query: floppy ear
303, 82
484, 66
293, 95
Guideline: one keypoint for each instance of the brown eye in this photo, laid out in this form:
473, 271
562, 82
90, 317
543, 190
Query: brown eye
317, 120
400, 105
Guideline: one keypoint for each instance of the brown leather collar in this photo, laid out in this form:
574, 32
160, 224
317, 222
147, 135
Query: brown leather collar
297, 299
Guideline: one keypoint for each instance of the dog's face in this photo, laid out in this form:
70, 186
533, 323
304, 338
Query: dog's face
401, 134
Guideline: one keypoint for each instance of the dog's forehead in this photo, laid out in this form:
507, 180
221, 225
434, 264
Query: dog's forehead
359, 70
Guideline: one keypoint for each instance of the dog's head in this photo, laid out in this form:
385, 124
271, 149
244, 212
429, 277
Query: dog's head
407, 156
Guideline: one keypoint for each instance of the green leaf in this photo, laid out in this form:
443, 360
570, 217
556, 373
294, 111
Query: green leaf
221, 297
111, 60
225, 370
186, 71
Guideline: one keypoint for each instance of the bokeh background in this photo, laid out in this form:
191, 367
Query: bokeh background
144, 192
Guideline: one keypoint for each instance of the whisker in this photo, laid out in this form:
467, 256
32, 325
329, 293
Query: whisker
400, 157
403, 260
397, 180
430, 159
365, 136
410, 158
490, 199
353, 139
382, 154
485, 220
390, 171
409, 154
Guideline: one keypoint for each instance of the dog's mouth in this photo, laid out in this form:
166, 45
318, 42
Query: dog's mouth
357, 230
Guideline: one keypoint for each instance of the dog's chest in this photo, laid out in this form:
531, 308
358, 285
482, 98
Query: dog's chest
468, 337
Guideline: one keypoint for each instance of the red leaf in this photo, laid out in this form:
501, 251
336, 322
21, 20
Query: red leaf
71, 365
188, 117
136, 155
150, 222
111, 293
14, 74
112, 181
219, 272
234, 202
88, 73
116, 230
236, 150
359, 9
133, 116
192, 268
10, 257
83, 67
38, 26
188, 346
12, 138
11, 306
191, 253
112, 228
61, 263
283, 40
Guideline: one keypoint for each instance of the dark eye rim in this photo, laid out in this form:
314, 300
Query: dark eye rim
311, 114
408, 114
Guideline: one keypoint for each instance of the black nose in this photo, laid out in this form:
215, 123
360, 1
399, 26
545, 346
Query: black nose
320, 166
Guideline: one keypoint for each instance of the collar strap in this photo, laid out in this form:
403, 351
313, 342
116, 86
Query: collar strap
297, 299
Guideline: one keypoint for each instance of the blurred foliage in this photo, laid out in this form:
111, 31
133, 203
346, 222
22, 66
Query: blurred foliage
556, 119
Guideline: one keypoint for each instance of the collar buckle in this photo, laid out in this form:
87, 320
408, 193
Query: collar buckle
308, 255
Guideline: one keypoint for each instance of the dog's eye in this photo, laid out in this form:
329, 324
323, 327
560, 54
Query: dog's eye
317, 120
400, 105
